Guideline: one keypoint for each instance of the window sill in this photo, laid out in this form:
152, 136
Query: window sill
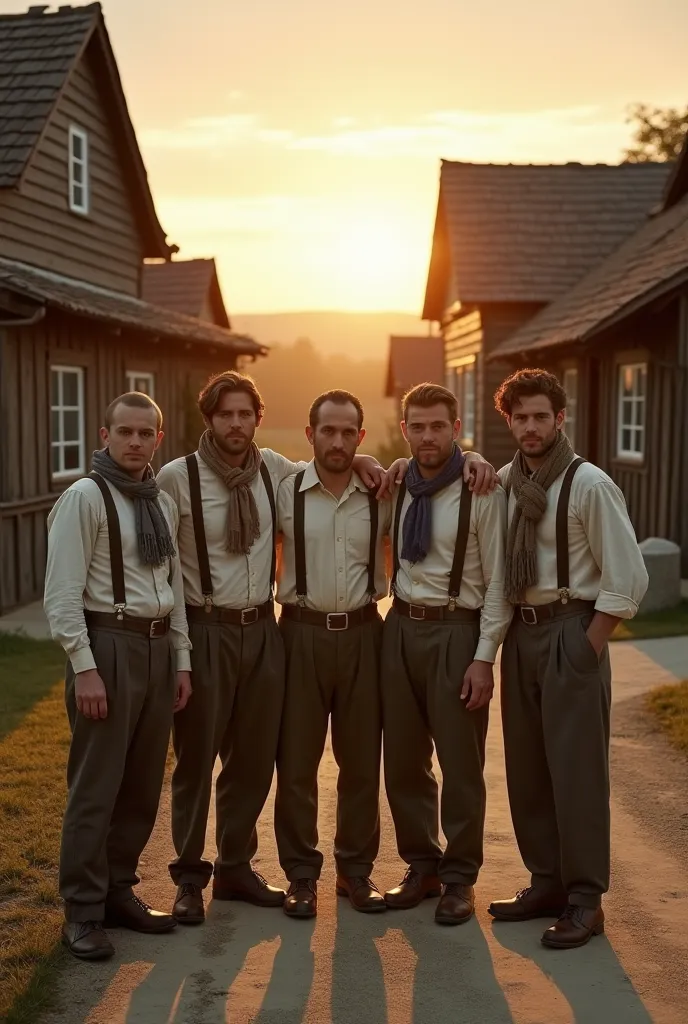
626, 462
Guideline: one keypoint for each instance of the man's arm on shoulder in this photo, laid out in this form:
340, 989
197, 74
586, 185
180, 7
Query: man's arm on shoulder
495, 617
281, 466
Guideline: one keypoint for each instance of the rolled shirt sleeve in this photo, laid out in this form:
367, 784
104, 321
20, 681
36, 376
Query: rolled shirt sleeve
496, 612
614, 547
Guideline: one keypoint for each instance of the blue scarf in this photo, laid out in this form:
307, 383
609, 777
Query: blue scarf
417, 531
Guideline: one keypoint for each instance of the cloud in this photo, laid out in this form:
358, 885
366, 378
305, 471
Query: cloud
227, 130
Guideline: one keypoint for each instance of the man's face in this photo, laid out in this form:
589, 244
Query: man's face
534, 425
336, 436
132, 437
234, 422
430, 433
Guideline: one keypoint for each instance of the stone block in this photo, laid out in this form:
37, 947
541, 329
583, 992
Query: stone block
663, 563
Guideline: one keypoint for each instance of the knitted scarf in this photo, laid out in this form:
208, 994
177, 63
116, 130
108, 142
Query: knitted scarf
531, 503
152, 532
243, 522
417, 532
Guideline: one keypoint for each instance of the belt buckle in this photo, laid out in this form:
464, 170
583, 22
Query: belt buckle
529, 621
249, 621
337, 615
153, 630
420, 608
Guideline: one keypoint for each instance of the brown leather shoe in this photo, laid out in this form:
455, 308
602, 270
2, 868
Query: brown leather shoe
363, 894
250, 887
188, 906
575, 927
412, 890
87, 940
302, 898
528, 904
456, 905
138, 916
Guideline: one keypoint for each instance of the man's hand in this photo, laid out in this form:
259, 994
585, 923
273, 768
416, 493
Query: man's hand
184, 691
480, 475
392, 477
369, 470
91, 698
600, 629
479, 684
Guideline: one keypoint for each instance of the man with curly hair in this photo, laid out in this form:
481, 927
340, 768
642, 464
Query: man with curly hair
573, 571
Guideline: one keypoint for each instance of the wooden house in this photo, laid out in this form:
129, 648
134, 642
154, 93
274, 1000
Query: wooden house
508, 241
77, 221
412, 360
619, 341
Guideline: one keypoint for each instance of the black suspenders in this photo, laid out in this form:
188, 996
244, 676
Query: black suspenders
300, 540
461, 543
199, 527
115, 539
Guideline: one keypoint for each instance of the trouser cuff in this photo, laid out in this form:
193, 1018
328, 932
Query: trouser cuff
449, 877
115, 896
198, 873
78, 912
425, 867
304, 872
590, 900
360, 869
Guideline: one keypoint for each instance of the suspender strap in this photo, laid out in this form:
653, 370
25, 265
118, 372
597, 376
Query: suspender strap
563, 531
372, 504
300, 538
199, 530
267, 483
395, 534
461, 544
115, 537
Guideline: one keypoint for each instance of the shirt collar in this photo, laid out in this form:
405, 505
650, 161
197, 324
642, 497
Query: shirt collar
311, 479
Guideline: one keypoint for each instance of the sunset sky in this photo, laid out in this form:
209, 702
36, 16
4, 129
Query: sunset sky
299, 141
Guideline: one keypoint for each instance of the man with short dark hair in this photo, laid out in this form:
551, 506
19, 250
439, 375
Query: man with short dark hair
440, 640
114, 600
573, 571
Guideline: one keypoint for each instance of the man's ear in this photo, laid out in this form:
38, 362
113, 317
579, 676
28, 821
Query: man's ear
309, 435
404, 429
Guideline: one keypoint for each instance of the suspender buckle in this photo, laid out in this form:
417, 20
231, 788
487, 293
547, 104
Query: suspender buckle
301, 600
208, 602
564, 595
452, 603
331, 616
119, 609
249, 616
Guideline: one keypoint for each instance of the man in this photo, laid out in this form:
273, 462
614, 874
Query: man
332, 574
440, 640
225, 495
573, 571
114, 600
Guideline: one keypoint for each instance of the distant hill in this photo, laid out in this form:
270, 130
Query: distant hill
357, 335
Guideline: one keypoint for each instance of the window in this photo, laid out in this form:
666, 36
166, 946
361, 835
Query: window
140, 381
67, 447
466, 381
630, 443
570, 383
78, 170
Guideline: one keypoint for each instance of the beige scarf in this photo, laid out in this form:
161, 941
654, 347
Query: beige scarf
243, 522
531, 503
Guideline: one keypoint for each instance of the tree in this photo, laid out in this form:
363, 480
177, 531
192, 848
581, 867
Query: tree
658, 133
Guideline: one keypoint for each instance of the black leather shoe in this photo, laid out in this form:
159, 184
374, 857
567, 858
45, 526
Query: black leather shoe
529, 904
87, 940
250, 887
302, 898
575, 927
188, 906
138, 916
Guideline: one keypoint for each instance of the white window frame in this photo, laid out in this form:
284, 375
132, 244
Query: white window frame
147, 375
81, 163
571, 417
636, 403
60, 443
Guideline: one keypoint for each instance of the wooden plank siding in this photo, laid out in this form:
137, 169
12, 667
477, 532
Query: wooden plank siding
27, 490
37, 227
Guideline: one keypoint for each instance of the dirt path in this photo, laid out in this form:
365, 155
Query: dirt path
249, 965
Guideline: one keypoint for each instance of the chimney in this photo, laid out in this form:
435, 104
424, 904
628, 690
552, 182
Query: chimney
39, 9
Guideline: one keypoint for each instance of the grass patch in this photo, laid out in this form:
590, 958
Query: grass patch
669, 705
670, 622
34, 742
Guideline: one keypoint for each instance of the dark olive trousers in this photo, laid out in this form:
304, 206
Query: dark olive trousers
115, 770
423, 666
235, 711
330, 674
556, 697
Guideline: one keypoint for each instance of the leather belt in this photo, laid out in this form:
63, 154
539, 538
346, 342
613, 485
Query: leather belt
231, 616
336, 622
109, 620
533, 615
434, 613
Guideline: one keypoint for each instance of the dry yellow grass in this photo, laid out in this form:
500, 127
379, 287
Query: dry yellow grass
669, 704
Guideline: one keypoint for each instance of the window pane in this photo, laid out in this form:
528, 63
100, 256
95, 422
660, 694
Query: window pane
626, 443
54, 387
70, 422
77, 147
55, 432
77, 196
626, 381
77, 175
71, 456
56, 459
450, 379
70, 389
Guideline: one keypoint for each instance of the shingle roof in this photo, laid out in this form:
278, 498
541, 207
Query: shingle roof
120, 310
527, 233
38, 51
185, 286
649, 264
413, 361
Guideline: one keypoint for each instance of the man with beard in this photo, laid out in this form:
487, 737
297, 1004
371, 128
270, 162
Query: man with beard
225, 494
114, 600
440, 640
573, 571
